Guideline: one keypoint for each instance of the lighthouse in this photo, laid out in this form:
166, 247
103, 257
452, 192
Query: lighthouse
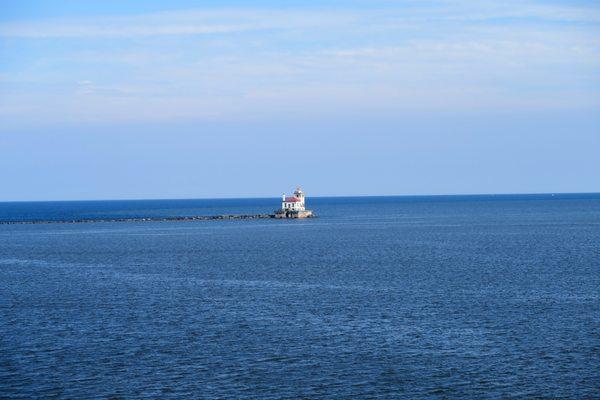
293, 206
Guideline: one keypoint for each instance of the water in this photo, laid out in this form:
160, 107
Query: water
391, 297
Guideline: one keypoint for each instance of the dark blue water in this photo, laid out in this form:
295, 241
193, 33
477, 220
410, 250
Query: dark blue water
422, 297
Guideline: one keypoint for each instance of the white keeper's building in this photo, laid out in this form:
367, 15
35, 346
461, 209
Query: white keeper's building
293, 206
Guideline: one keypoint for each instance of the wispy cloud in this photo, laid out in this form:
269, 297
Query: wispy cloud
83, 31
225, 63
189, 22
214, 21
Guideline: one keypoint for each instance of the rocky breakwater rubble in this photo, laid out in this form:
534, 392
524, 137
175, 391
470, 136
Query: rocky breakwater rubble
143, 219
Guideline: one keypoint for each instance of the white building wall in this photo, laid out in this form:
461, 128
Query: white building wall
292, 205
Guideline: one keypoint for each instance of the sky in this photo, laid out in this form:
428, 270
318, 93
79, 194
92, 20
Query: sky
209, 99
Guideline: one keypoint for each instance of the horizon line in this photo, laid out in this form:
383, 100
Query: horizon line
322, 197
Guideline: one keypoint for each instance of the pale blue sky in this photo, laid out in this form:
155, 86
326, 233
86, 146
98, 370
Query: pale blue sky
154, 99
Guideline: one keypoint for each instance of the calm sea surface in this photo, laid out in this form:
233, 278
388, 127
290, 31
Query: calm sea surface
380, 297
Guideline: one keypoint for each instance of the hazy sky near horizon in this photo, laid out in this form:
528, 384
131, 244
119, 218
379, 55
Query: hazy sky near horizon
188, 99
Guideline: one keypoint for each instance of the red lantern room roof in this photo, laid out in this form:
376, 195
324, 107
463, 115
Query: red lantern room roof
292, 200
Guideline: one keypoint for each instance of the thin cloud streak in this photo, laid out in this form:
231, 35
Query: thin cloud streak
202, 22
83, 31
190, 22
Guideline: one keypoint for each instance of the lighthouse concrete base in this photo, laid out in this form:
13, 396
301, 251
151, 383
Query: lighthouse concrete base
293, 214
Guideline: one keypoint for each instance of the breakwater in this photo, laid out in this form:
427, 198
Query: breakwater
144, 219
